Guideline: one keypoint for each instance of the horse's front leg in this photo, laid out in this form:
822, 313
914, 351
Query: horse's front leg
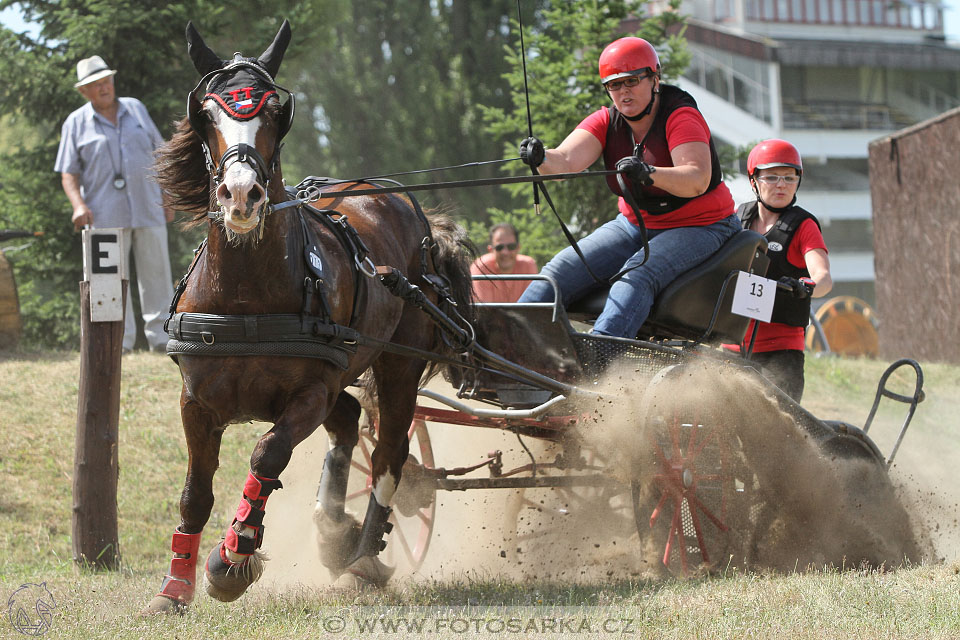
203, 432
236, 562
397, 380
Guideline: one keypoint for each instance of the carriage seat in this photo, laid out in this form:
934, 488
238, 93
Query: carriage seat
684, 308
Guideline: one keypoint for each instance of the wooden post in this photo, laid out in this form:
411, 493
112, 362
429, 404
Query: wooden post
96, 468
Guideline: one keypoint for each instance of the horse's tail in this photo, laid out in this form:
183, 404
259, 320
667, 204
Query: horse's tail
452, 257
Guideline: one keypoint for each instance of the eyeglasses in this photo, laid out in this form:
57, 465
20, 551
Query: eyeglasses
776, 179
632, 81
510, 246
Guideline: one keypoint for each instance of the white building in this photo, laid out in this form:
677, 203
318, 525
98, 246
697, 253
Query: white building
829, 76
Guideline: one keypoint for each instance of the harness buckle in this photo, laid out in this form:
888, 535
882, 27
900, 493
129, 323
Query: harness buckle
365, 266
206, 334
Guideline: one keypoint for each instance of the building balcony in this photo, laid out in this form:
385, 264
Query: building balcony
896, 14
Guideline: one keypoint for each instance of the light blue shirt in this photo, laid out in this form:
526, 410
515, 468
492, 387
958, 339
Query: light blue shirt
90, 147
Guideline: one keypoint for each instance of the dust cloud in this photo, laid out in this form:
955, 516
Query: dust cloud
795, 503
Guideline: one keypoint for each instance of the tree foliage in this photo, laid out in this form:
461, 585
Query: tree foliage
382, 86
141, 40
563, 43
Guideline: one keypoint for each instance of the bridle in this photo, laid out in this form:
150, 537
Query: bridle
242, 152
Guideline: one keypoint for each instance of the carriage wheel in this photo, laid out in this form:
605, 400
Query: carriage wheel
553, 523
696, 498
414, 503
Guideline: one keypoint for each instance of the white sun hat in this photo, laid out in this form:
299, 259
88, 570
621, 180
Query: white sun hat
92, 69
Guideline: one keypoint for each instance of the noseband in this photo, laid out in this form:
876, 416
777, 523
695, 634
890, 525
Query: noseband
247, 155
242, 152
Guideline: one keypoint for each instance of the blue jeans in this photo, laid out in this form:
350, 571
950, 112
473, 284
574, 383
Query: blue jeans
617, 245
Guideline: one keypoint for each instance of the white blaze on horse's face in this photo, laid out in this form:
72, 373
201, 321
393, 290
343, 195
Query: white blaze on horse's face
240, 196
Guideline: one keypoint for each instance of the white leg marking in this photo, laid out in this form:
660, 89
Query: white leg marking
383, 489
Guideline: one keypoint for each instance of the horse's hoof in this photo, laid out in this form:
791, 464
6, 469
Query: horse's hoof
225, 581
336, 540
162, 605
365, 573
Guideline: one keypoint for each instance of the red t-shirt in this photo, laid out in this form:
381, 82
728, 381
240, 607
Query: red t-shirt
500, 290
686, 124
775, 336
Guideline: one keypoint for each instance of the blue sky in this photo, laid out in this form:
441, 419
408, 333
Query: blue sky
10, 18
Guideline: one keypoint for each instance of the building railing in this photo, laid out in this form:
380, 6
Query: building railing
899, 14
729, 84
836, 114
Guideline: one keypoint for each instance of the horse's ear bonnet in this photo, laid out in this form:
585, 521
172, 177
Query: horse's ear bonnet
241, 86
204, 59
271, 58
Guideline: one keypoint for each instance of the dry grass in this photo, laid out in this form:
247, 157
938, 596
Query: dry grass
38, 408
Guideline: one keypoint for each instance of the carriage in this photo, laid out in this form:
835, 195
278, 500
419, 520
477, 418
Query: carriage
295, 293
696, 480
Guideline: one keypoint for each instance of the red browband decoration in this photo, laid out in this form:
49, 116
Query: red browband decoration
242, 107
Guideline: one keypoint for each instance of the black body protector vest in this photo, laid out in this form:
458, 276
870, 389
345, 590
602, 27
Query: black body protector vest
653, 150
786, 309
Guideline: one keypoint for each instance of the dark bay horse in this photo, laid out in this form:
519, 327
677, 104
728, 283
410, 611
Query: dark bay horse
282, 309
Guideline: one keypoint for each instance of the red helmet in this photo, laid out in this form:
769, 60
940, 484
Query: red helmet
773, 153
628, 57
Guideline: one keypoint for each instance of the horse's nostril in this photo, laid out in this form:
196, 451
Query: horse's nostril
256, 193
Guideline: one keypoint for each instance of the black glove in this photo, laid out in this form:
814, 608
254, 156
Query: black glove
636, 169
532, 152
802, 288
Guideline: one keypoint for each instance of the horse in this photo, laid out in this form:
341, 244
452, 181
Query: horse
287, 302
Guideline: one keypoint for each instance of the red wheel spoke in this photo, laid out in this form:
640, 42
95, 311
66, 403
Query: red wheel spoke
357, 494
402, 539
425, 517
658, 452
695, 503
710, 437
676, 529
691, 443
359, 467
675, 439
366, 451
656, 510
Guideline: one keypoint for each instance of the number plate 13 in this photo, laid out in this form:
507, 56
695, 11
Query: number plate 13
754, 296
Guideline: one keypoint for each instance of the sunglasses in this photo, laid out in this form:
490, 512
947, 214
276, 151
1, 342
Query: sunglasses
776, 179
512, 246
632, 81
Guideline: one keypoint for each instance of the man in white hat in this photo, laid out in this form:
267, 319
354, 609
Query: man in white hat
105, 162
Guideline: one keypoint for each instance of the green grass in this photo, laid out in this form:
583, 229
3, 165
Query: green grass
38, 400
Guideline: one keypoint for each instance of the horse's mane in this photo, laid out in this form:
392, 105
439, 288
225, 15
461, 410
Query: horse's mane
451, 257
182, 172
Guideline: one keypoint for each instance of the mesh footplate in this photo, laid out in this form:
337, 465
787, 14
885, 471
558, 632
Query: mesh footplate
596, 354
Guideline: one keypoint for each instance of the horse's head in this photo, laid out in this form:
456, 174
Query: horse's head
236, 111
